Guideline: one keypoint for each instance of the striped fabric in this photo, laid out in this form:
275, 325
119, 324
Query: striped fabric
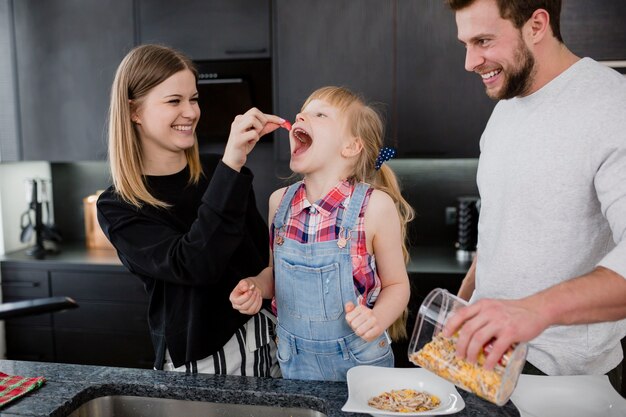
250, 352
321, 221
12, 386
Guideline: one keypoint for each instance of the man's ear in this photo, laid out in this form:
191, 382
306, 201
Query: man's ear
538, 25
352, 148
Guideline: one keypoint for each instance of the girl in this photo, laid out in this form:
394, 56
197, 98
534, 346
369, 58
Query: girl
338, 275
188, 227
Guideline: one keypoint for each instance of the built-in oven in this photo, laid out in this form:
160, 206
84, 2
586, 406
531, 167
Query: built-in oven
227, 88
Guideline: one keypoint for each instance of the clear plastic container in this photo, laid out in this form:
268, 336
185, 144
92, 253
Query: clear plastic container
430, 350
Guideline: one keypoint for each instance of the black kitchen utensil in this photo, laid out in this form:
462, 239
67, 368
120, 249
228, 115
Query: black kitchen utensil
26, 223
38, 201
50, 231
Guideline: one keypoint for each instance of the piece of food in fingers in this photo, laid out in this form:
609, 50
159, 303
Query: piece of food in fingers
286, 125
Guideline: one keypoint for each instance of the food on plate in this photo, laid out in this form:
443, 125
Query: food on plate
405, 401
439, 356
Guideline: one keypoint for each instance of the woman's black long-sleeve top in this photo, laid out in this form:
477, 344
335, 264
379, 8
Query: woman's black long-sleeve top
191, 255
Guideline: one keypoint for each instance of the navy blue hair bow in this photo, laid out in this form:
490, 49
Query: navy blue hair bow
385, 154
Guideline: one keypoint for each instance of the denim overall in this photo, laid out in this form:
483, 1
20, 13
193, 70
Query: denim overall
313, 281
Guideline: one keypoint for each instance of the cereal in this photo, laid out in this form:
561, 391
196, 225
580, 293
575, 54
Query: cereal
439, 356
405, 401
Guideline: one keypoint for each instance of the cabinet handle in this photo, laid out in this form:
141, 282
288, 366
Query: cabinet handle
245, 51
221, 81
16, 284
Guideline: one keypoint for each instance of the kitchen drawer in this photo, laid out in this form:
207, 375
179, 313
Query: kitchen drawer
98, 286
104, 348
24, 283
104, 316
29, 343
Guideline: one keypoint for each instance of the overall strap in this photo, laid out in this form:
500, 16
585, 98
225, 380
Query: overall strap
351, 215
283, 208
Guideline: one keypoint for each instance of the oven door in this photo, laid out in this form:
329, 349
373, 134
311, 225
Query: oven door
228, 88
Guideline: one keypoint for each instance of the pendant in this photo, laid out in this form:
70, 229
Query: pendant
342, 242
279, 240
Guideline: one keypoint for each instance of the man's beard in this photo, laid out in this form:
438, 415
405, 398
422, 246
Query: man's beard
518, 80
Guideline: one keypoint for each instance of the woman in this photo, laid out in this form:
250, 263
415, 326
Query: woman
186, 225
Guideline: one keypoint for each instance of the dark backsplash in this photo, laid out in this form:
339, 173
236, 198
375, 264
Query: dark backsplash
71, 182
430, 185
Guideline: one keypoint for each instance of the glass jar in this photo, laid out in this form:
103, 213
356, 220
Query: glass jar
430, 350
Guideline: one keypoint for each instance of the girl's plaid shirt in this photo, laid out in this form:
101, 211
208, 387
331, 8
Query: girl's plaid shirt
318, 222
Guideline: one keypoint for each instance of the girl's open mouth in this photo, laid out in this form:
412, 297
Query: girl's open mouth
302, 141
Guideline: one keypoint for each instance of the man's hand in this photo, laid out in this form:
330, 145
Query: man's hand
499, 322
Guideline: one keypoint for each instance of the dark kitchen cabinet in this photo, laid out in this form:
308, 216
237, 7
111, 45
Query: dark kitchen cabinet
595, 28
111, 318
209, 29
403, 54
340, 42
108, 328
66, 56
442, 109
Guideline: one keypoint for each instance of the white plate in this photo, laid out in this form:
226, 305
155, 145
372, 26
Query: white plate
567, 396
365, 382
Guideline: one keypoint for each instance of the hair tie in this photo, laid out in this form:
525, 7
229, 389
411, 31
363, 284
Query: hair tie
385, 154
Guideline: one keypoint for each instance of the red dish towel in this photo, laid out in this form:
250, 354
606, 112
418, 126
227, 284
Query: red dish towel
12, 387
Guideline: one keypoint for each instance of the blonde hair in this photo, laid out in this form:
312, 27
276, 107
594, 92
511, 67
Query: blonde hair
143, 68
366, 123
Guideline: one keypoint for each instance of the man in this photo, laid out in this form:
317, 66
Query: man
552, 178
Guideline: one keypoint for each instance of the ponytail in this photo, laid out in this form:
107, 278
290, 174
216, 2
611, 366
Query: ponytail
385, 180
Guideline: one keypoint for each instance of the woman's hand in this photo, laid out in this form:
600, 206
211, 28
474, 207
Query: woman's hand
246, 297
363, 321
245, 132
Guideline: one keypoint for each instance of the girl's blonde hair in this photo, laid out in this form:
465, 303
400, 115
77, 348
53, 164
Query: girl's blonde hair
366, 123
143, 68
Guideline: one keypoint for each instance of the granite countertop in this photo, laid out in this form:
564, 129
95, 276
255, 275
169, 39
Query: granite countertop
69, 386
424, 259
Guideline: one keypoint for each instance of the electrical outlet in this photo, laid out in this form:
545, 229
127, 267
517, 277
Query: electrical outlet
450, 215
